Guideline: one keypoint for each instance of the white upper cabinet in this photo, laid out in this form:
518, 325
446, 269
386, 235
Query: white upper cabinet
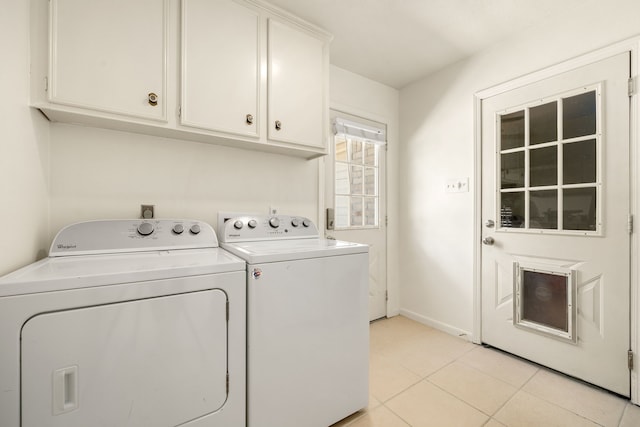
239, 73
296, 77
220, 67
109, 56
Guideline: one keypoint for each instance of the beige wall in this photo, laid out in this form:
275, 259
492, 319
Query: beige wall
437, 137
103, 174
24, 148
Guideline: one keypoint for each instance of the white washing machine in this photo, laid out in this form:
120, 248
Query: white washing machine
307, 321
126, 323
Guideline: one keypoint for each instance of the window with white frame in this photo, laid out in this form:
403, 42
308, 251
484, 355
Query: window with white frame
549, 163
357, 173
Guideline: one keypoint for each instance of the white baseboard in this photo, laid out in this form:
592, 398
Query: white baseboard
451, 330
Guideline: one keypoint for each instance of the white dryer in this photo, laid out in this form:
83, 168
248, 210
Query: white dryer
307, 321
126, 323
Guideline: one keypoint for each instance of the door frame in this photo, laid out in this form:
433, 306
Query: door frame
630, 45
392, 291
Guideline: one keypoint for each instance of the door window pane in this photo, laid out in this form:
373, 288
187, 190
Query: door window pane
543, 166
512, 210
512, 170
579, 162
543, 123
341, 149
356, 179
342, 211
355, 152
543, 209
512, 130
342, 185
370, 154
371, 181
370, 211
356, 212
579, 115
579, 209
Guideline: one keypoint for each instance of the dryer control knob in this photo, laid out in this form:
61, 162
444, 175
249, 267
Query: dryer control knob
252, 223
295, 222
195, 229
306, 222
178, 228
145, 228
238, 225
274, 222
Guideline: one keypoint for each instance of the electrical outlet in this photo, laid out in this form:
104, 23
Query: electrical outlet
147, 211
457, 185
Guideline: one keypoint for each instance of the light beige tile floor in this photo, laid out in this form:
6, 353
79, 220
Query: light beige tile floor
421, 377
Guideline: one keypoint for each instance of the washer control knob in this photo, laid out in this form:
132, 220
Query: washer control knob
195, 229
145, 228
295, 222
252, 223
274, 222
306, 222
238, 225
178, 228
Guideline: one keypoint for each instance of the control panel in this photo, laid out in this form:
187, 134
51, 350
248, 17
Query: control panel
247, 228
135, 235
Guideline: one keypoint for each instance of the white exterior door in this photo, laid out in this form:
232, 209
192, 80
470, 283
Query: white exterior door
356, 196
555, 215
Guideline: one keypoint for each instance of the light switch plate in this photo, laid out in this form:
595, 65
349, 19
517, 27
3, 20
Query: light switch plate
457, 185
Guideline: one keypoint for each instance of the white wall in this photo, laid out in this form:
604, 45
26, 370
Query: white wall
98, 174
437, 143
24, 156
366, 98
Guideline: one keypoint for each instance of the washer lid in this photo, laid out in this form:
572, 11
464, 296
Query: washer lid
73, 272
287, 250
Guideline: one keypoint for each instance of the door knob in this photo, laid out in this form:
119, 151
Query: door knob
152, 99
488, 241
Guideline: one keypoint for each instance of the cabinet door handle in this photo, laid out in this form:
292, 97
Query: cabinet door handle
249, 119
153, 99
278, 125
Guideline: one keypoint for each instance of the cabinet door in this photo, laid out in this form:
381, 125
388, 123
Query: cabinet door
109, 56
296, 86
220, 60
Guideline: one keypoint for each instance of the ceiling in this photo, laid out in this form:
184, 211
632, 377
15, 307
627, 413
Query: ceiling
396, 42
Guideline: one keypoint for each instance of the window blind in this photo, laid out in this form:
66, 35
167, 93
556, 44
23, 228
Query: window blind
352, 129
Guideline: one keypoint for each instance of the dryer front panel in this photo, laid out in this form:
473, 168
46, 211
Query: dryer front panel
153, 362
